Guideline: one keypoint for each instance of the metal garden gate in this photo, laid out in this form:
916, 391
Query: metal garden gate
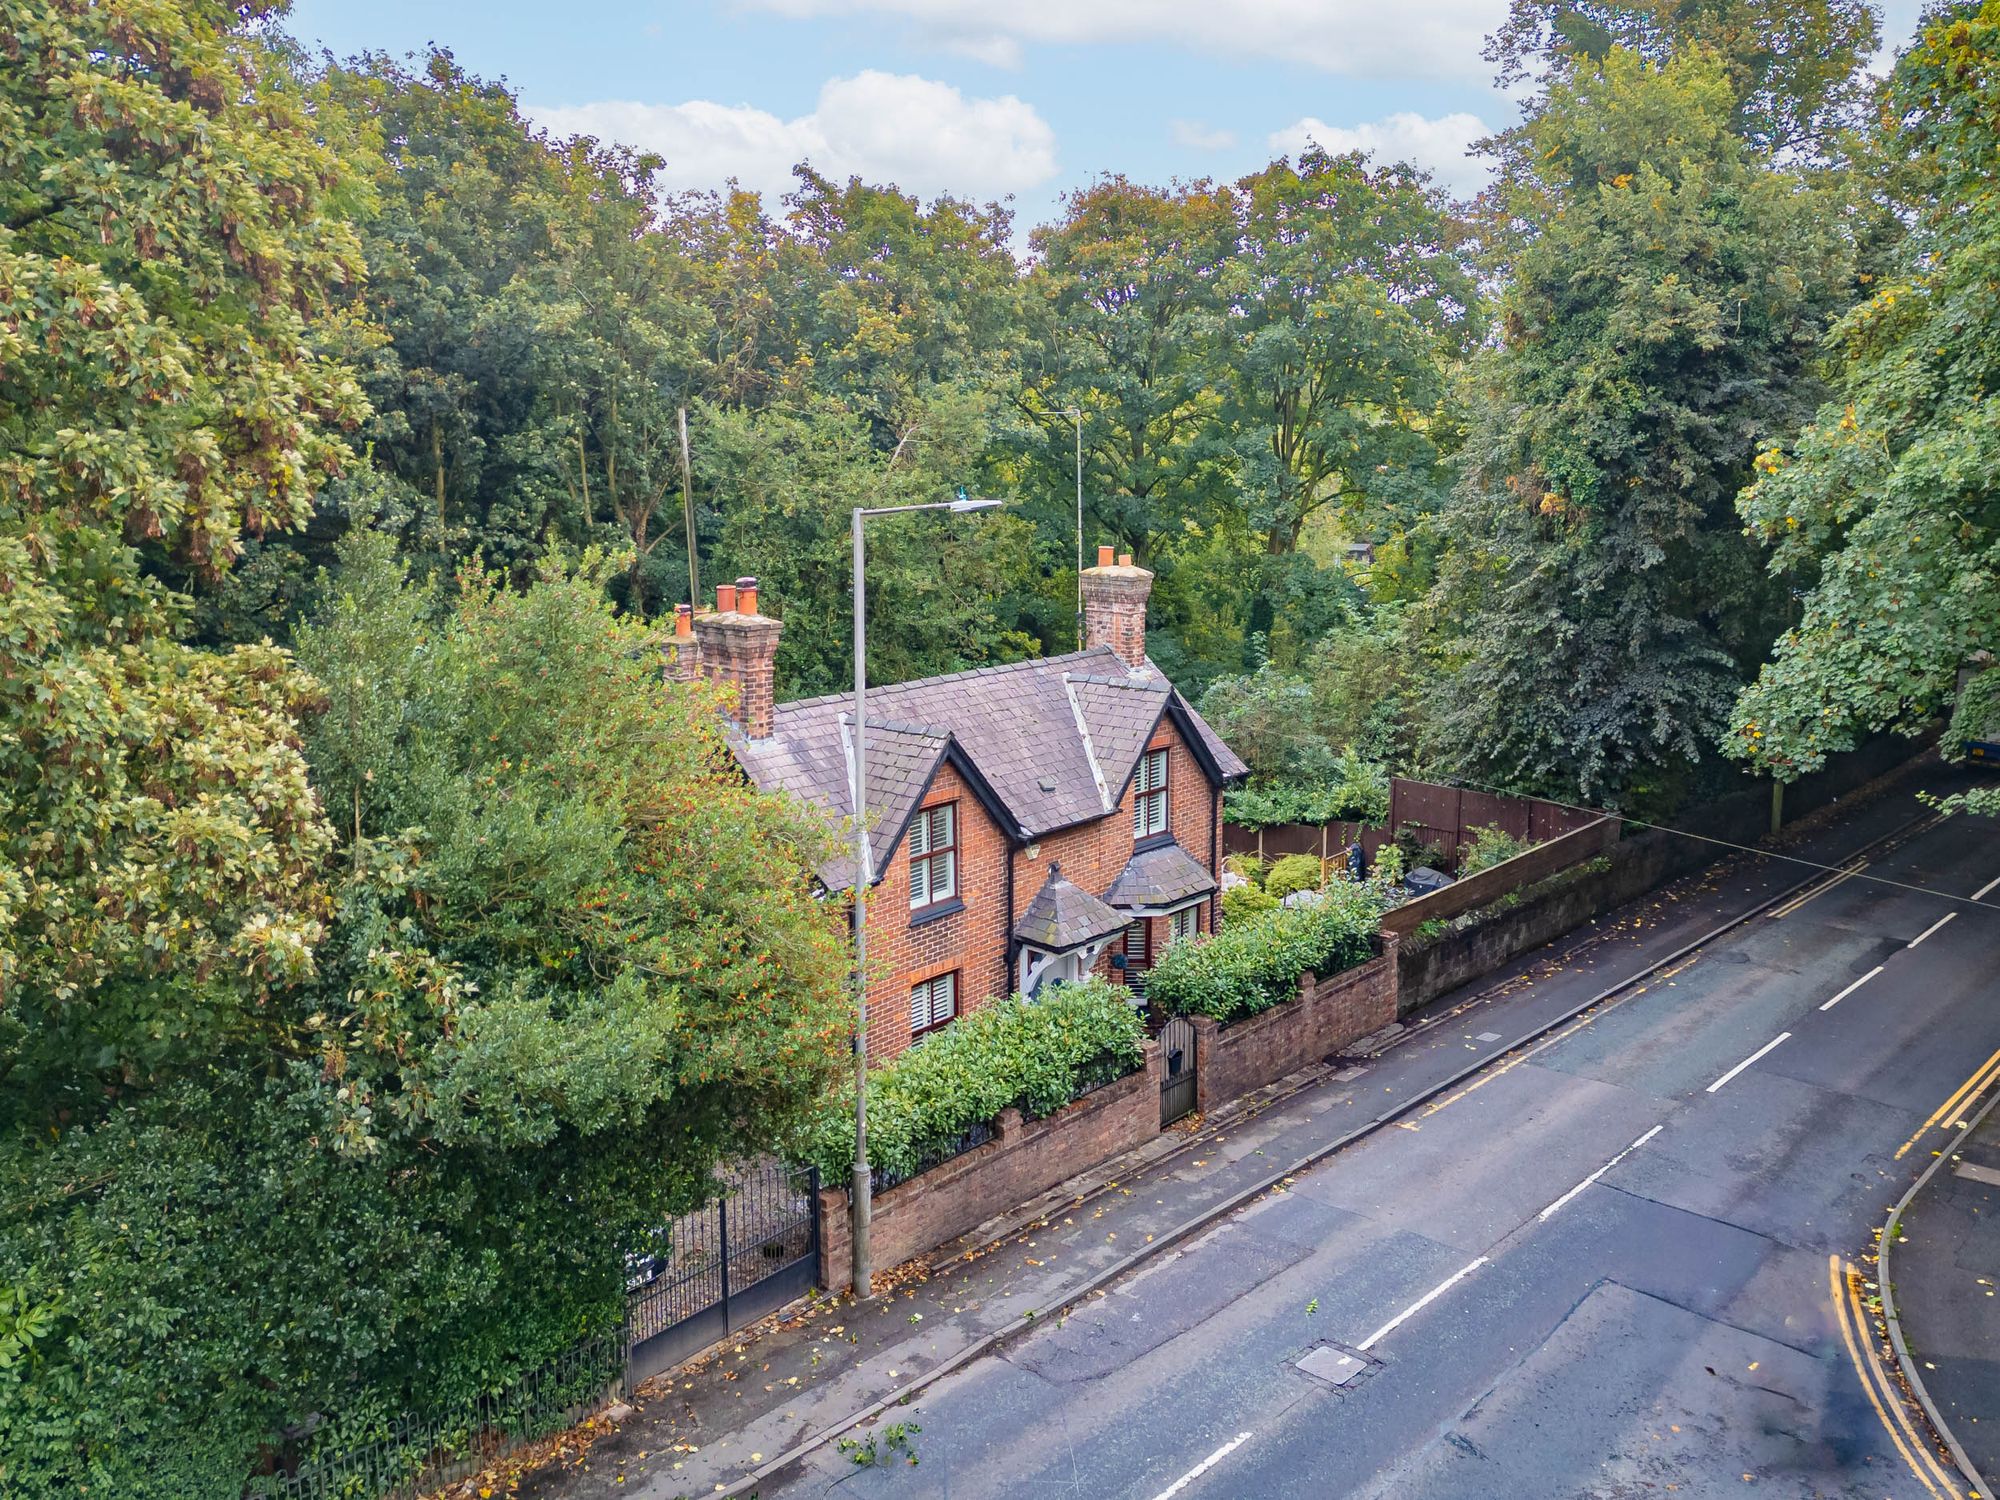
1177, 1048
725, 1265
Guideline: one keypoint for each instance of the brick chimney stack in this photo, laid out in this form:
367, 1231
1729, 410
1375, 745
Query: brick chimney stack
683, 656
739, 646
1114, 607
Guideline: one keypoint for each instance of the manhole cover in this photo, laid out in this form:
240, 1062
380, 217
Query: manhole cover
1487, 1036
1333, 1364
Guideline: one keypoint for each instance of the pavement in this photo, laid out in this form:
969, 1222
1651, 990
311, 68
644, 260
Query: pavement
1946, 1265
1620, 1260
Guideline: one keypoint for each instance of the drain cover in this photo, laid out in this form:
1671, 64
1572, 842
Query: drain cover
1487, 1036
1333, 1364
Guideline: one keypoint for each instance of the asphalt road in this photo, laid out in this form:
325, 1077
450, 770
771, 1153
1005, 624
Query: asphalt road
1626, 1262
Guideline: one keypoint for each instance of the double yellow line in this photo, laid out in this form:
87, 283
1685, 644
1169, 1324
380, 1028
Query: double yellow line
1961, 1098
1852, 1315
1848, 872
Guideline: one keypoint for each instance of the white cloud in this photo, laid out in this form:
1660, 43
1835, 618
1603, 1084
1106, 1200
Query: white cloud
1199, 137
924, 136
1440, 38
1438, 146
994, 51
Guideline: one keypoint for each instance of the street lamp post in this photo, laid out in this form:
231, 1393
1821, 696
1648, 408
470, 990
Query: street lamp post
860, 1190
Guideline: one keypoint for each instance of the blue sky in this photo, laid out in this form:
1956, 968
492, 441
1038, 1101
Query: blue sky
1019, 99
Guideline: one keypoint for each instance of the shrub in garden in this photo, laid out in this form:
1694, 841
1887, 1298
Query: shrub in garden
1295, 872
1031, 1055
1256, 963
1241, 902
1488, 847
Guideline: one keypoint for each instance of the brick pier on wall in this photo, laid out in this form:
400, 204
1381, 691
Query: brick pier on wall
1028, 1158
1328, 1014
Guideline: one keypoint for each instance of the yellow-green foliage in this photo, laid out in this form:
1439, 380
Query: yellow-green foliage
1295, 872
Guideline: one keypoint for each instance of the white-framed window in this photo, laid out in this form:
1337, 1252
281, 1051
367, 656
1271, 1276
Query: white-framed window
1149, 795
933, 1003
1184, 923
934, 855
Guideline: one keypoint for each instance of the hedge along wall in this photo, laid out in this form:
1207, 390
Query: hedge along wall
1327, 1014
1026, 1159
1031, 1056
1257, 963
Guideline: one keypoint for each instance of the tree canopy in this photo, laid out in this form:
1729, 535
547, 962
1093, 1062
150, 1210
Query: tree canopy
1884, 503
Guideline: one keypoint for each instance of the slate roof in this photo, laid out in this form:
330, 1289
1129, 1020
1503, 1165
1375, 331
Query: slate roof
1063, 917
1165, 875
1053, 740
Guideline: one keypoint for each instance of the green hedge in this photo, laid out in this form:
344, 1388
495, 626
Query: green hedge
1033, 1055
1255, 963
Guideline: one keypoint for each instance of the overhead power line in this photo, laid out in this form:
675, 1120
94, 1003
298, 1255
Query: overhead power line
1846, 871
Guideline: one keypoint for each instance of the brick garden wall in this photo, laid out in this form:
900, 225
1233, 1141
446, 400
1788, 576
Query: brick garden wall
1328, 1015
1029, 1158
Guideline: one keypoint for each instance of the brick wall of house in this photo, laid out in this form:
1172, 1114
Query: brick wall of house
1092, 854
972, 940
1328, 1014
1028, 1158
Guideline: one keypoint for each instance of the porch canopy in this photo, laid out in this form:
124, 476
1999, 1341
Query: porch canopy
1063, 932
1158, 880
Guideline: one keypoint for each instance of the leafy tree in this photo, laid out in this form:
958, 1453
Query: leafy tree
944, 591
1662, 320
1344, 294
1886, 499
1793, 70
1129, 316
168, 232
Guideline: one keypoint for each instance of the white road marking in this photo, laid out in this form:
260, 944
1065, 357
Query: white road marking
1781, 1036
1932, 928
1546, 1213
1980, 894
1204, 1466
1852, 988
1419, 1305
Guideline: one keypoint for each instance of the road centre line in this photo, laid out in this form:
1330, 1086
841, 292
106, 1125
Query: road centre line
1544, 1216
1781, 1036
1852, 988
1980, 894
1419, 1305
1204, 1466
1932, 928
1964, 1094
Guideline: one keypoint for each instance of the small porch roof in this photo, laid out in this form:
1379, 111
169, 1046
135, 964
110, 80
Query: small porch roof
1063, 917
1157, 880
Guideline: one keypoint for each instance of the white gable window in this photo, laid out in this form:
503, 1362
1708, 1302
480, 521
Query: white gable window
1149, 795
934, 855
933, 1003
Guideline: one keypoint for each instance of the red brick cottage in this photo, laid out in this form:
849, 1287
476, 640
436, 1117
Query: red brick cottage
1031, 823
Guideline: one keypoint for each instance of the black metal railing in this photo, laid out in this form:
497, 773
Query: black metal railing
884, 1178
749, 1250
420, 1451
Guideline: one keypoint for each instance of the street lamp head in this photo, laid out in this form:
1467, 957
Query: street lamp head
960, 506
